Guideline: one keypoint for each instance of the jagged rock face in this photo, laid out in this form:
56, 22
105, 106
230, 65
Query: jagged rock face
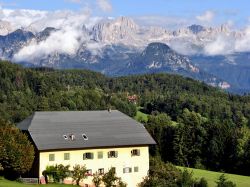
195, 29
120, 46
45, 33
159, 55
11, 43
115, 31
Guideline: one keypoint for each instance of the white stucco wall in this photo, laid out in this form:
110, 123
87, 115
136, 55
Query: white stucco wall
123, 160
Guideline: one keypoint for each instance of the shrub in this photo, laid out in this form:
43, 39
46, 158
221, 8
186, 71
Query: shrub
224, 182
16, 151
110, 179
79, 173
57, 173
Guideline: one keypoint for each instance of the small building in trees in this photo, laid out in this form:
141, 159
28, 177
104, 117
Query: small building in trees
100, 140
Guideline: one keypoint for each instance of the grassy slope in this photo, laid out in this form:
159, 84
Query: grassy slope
7, 183
211, 177
142, 116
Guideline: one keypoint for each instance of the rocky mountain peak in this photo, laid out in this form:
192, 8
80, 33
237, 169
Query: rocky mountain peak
158, 56
195, 29
157, 47
115, 31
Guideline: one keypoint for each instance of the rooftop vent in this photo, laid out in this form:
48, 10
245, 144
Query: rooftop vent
72, 137
85, 137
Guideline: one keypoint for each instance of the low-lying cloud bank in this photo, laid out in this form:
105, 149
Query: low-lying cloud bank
71, 33
65, 40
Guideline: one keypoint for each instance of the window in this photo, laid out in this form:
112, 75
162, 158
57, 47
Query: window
101, 171
100, 155
89, 172
66, 156
135, 152
127, 170
87, 156
51, 157
65, 137
112, 154
85, 137
136, 169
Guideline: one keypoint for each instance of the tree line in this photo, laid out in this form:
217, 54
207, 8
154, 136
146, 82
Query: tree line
194, 124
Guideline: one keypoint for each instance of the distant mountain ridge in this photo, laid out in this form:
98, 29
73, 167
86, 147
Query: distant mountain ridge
119, 47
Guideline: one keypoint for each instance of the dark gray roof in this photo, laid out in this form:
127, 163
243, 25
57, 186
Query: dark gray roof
103, 129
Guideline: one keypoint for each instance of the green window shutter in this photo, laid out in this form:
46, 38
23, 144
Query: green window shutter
51, 157
136, 169
138, 151
92, 156
130, 170
100, 155
84, 156
66, 156
116, 154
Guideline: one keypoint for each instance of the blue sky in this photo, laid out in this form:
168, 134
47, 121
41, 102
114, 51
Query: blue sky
221, 11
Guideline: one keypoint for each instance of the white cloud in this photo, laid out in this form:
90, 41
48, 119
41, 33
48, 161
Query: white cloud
74, 1
221, 45
66, 40
104, 5
21, 18
228, 44
208, 16
244, 43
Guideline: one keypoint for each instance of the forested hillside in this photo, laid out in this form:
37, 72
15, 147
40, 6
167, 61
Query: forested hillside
194, 124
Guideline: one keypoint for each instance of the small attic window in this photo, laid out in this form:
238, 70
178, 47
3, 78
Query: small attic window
65, 137
85, 137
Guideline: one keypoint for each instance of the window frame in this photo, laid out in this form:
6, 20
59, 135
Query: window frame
89, 172
136, 169
65, 157
52, 157
100, 154
85, 157
101, 171
127, 170
112, 154
135, 152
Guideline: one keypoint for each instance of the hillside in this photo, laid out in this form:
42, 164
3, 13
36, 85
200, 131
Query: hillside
121, 46
194, 125
212, 177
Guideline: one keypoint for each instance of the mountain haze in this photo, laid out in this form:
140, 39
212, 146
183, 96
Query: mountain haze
120, 46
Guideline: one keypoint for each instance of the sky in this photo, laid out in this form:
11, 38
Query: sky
69, 17
162, 12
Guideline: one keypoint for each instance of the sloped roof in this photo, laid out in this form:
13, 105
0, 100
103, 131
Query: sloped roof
103, 129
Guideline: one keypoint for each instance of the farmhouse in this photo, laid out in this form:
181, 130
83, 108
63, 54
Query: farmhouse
100, 140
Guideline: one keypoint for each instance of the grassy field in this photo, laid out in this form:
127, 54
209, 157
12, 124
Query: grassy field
141, 116
7, 183
211, 177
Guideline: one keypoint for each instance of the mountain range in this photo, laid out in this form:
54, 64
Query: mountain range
119, 47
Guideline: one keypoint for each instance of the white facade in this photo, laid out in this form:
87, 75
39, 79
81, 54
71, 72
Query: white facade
131, 166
